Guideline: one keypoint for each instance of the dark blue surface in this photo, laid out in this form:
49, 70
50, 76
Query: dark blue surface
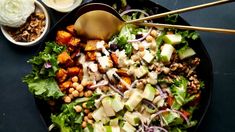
18, 113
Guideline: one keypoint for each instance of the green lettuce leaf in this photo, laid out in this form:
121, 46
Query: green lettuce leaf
179, 90
41, 80
43, 88
69, 120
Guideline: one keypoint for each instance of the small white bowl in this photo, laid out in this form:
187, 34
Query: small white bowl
38, 7
62, 9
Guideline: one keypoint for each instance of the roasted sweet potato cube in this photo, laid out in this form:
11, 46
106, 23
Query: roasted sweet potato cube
122, 72
114, 58
65, 85
71, 29
64, 58
73, 71
61, 75
122, 87
91, 45
91, 56
126, 79
63, 37
74, 42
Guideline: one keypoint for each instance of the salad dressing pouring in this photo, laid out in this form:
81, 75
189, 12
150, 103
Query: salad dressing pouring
100, 21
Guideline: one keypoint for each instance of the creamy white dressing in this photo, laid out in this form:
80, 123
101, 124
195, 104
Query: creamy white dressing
60, 3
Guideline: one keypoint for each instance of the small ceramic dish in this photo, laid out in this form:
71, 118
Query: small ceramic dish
39, 8
62, 5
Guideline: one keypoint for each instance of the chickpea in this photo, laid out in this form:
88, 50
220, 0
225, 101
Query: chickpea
81, 94
141, 48
86, 118
84, 105
75, 79
84, 83
75, 93
84, 124
86, 111
149, 38
71, 90
67, 99
90, 121
79, 88
88, 93
104, 88
153, 33
89, 115
78, 108
71, 96
75, 84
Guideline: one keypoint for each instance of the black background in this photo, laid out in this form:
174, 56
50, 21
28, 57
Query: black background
18, 112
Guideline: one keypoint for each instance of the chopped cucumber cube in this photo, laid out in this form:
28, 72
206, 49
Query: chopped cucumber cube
132, 118
117, 103
149, 92
188, 52
172, 39
141, 71
127, 127
134, 100
107, 104
166, 52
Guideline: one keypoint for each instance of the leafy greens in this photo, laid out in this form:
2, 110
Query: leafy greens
41, 80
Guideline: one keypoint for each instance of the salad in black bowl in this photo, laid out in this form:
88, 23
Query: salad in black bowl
143, 79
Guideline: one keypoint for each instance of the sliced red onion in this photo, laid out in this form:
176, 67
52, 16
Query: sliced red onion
98, 101
122, 81
47, 65
51, 127
134, 83
158, 128
163, 95
149, 103
176, 111
101, 83
145, 13
116, 90
185, 118
142, 38
133, 10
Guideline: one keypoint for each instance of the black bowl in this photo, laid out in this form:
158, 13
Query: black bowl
204, 70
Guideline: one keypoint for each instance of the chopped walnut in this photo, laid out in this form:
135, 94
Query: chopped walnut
31, 30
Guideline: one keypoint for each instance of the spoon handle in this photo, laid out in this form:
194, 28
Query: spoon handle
180, 11
218, 30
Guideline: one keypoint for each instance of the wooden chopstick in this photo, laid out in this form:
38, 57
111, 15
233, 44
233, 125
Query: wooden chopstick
180, 11
159, 25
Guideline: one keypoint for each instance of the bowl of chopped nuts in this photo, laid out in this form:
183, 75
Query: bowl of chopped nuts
32, 31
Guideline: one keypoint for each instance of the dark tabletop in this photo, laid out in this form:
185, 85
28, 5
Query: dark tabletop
18, 112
